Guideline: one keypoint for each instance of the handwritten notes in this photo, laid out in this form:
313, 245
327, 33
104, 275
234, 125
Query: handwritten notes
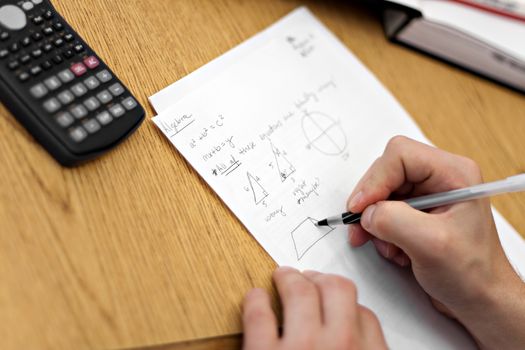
282, 128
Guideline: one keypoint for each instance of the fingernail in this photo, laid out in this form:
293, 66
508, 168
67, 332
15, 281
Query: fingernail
366, 219
383, 248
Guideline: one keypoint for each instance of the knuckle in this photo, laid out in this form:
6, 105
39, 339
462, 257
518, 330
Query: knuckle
368, 316
397, 141
256, 314
300, 289
472, 171
338, 283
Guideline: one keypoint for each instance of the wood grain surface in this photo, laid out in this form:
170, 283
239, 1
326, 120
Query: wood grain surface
134, 249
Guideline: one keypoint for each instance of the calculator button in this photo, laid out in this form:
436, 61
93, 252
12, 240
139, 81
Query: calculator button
47, 65
4, 53
104, 118
59, 42
4, 36
26, 41
78, 48
13, 65
38, 20
14, 47
92, 83
58, 26
57, 59
25, 59
116, 89
27, 6
39, 90
12, 17
79, 89
68, 54
78, 69
91, 103
24, 76
37, 2
52, 105
117, 110
79, 111
104, 76
36, 70
78, 134
66, 76
37, 53
129, 103
104, 96
64, 119
47, 47
52, 83
91, 125
48, 14
69, 37
47, 31
37, 36
91, 62
66, 97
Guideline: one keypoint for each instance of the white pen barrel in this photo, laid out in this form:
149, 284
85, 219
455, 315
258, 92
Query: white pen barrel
440, 199
511, 184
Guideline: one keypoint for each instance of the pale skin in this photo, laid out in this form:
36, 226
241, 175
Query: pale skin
453, 251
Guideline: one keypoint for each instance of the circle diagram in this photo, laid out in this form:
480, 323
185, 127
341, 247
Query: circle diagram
324, 133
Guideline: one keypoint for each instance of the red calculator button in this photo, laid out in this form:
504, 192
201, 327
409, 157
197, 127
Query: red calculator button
91, 62
78, 69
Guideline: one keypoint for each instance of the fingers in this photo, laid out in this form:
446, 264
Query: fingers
415, 232
300, 300
259, 321
338, 300
320, 311
408, 161
357, 236
388, 250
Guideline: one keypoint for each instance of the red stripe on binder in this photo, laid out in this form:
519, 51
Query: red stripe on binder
491, 9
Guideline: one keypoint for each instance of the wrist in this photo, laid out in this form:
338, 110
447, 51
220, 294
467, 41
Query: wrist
496, 318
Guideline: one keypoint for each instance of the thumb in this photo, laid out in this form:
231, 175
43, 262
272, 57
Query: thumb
398, 223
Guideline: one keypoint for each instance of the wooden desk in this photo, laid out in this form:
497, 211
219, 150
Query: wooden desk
103, 256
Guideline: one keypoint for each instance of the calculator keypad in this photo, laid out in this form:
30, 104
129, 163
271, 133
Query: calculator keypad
82, 97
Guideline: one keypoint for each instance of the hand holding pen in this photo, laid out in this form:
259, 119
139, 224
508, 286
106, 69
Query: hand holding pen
453, 250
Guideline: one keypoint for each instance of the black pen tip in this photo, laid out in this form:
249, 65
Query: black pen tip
322, 222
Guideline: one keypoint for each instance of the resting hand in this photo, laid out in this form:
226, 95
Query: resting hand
320, 313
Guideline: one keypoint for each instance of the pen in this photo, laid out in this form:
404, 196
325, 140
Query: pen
511, 184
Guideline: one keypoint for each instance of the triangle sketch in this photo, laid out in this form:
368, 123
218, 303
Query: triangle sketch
259, 193
284, 167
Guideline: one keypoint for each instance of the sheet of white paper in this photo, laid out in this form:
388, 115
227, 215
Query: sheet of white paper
282, 132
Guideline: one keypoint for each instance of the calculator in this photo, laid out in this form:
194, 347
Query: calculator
58, 88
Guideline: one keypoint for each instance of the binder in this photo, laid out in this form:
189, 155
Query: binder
407, 25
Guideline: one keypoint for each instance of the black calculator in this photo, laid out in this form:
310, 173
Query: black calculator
58, 88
